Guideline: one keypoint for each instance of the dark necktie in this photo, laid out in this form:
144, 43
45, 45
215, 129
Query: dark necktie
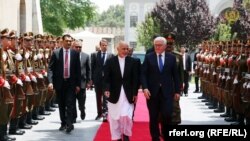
66, 65
103, 58
160, 63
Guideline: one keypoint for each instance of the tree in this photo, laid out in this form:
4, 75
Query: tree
146, 30
60, 14
189, 20
113, 17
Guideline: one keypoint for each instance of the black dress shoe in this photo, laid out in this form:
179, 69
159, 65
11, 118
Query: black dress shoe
69, 128
196, 91
125, 138
224, 115
50, 109
38, 118
105, 119
8, 138
219, 111
238, 123
212, 107
32, 122
83, 114
98, 117
45, 113
25, 126
201, 97
230, 119
16, 132
74, 120
63, 127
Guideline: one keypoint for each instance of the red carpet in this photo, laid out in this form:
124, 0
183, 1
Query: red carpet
140, 127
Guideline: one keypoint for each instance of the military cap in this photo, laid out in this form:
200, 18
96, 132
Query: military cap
170, 37
12, 34
38, 37
59, 38
5, 33
28, 35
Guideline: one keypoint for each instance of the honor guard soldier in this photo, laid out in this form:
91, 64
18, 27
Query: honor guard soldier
16, 85
176, 117
6, 99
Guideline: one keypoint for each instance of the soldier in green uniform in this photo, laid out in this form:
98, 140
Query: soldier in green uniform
176, 117
6, 99
16, 85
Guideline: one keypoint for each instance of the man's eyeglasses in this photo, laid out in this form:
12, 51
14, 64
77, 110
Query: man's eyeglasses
124, 48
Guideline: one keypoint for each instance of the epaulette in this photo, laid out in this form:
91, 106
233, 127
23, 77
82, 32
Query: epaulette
176, 53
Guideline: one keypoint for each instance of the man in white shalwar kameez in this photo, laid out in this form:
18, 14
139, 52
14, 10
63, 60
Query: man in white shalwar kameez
120, 85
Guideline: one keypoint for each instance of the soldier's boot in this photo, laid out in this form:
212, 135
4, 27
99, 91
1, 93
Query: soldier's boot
2, 134
201, 97
205, 99
220, 109
22, 122
48, 108
214, 104
53, 102
226, 114
5, 133
240, 120
232, 118
43, 112
35, 115
13, 130
29, 119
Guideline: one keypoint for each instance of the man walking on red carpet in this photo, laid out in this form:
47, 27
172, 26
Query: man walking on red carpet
120, 77
160, 85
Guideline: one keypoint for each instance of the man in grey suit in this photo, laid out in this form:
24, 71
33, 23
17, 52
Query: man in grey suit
85, 79
98, 60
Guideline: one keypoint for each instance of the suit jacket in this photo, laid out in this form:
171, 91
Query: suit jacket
97, 70
85, 69
137, 62
195, 60
113, 80
188, 62
167, 80
56, 67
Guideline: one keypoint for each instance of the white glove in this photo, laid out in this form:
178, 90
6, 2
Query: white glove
18, 57
39, 56
4, 56
248, 85
33, 78
35, 57
40, 75
19, 82
236, 81
27, 79
45, 74
27, 55
6, 84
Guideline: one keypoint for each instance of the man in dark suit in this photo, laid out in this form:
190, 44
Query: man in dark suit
64, 75
196, 77
187, 69
85, 79
121, 80
160, 83
98, 60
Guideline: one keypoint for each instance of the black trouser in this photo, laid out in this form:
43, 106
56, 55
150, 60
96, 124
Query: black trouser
157, 107
186, 82
81, 97
66, 99
196, 80
101, 101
